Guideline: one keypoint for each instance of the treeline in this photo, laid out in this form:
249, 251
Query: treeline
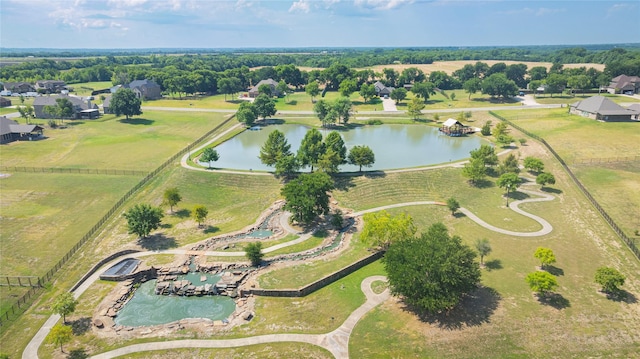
102, 68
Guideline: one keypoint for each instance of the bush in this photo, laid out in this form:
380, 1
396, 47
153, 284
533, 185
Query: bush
374, 122
486, 129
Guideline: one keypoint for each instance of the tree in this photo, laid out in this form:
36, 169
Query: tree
367, 91
541, 282
361, 156
335, 142
27, 112
381, 229
498, 84
610, 279
64, 304
398, 94
61, 334
510, 165
343, 109
286, 166
283, 88
509, 181
311, 148
579, 82
247, 113
172, 197
265, 106
414, 108
125, 102
307, 196
555, 83
274, 148
545, 256
501, 129
453, 205
533, 164
329, 161
209, 155
504, 140
486, 129
475, 170
537, 73
142, 219
484, 248
347, 87
453, 96
253, 251
336, 219
312, 89
485, 153
472, 86
200, 213
433, 271
423, 90
545, 178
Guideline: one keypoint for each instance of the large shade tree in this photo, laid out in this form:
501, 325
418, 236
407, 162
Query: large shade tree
361, 156
125, 102
381, 229
311, 148
308, 196
64, 304
265, 106
433, 271
142, 219
274, 148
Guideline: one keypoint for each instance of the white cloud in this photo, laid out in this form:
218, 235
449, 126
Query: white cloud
532, 11
300, 6
382, 4
126, 3
617, 8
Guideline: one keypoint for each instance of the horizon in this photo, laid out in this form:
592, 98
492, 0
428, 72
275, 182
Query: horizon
250, 24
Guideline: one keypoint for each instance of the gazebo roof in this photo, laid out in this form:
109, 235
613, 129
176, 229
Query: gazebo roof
452, 122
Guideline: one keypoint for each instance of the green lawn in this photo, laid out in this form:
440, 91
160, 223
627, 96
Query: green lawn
261, 351
6, 110
568, 99
85, 88
142, 143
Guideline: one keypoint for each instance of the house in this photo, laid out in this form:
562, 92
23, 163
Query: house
382, 90
146, 89
5, 102
83, 108
18, 87
253, 92
635, 107
455, 128
106, 105
602, 109
624, 84
11, 131
50, 86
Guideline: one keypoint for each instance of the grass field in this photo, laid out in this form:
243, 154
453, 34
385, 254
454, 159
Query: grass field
142, 143
503, 319
85, 88
567, 100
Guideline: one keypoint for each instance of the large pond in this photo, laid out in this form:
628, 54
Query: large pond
147, 308
394, 146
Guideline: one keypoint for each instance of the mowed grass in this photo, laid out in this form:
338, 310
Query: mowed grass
85, 88
568, 99
261, 351
504, 319
141, 143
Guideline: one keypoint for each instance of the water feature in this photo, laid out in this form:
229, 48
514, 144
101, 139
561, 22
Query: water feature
122, 268
395, 146
147, 308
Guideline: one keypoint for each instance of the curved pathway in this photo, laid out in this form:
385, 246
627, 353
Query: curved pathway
337, 341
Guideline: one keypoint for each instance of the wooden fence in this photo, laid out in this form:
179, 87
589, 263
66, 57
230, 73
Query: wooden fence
87, 171
20, 281
23, 302
628, 241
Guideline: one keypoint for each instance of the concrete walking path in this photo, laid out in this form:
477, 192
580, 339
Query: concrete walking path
337, 341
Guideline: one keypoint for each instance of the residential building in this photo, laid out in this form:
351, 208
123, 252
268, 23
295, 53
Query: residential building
11, 130
602, 109
624, 84
254, 91
83, 107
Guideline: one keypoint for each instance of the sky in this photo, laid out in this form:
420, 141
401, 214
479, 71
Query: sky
127, 24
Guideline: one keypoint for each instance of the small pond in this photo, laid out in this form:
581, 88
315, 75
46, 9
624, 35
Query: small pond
394, 146
147, 308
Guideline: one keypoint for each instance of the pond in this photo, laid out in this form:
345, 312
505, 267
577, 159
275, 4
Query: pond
147, 308
394, 146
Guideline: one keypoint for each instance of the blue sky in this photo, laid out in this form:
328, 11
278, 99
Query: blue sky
313, 23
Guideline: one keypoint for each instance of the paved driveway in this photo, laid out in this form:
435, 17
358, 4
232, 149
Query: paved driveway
388, 104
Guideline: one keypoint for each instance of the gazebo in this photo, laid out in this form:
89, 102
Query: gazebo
455, 128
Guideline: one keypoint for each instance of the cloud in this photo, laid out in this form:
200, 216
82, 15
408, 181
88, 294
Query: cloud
532, 11
617, 8
126, 3
382, 4
300, 6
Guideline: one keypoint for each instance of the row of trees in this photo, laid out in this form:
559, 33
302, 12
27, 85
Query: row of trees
326, 154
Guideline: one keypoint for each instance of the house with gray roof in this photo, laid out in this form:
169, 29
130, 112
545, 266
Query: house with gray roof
50, 86
382, 90
83, 108
146, 89
106, 105
254, 91
18, 87
11, 130
624, 84
5, 102
602, 109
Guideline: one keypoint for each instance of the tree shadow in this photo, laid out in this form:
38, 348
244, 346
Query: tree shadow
292, 102
210, 229
622, 295
79, 353
183, 213
343, 183
81, 326
157, 242
518, 196
459, 215
137, 121
551, 190
483, 184
554, 270
166, 225
270, 121
555, 300
473, 310
493, 264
